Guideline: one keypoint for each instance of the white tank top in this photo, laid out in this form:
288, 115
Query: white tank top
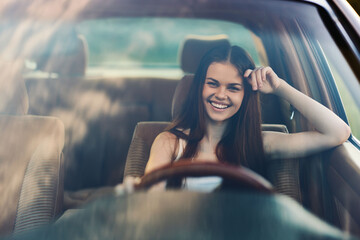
198, 184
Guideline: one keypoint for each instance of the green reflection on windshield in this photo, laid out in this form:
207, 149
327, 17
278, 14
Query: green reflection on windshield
151, 42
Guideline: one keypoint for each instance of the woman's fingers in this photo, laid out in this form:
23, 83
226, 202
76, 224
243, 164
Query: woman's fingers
263, 73
253, 81
259, 79
249, 77
254, 78
247, 73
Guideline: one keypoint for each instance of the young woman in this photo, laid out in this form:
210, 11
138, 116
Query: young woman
220, 120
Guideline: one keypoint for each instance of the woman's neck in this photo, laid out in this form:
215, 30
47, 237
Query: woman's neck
214, 132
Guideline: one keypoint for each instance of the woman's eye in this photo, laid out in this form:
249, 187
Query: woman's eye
212, 84
234, 89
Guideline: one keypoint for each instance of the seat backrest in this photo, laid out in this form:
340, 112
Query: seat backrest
139, 150
31, 183
144, 135
30, 171
282, 173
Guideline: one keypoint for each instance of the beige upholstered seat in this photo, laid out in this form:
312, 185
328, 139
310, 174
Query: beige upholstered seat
31, 183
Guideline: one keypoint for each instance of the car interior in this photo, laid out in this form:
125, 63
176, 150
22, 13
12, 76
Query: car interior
69, 133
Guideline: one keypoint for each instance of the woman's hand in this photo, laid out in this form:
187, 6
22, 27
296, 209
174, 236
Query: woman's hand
263, 79
127, 186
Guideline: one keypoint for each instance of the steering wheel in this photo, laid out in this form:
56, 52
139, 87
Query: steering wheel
239, 176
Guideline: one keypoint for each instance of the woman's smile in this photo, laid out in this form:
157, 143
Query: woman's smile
219, 105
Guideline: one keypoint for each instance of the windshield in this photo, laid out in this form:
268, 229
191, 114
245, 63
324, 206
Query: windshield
101, 70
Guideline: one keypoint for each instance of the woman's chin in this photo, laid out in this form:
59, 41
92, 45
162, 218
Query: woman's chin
217, 119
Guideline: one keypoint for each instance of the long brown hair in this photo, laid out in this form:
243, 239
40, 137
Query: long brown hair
241, 143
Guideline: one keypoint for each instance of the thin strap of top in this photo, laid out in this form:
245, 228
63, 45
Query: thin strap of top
180, 149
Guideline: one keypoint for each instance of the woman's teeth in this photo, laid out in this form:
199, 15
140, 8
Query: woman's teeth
220, 106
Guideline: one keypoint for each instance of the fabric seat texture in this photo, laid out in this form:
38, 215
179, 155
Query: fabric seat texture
31, 169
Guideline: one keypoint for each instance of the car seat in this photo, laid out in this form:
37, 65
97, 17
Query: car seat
65, 53
31, 169
282, 173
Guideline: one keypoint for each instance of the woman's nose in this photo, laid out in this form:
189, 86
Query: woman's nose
220, 93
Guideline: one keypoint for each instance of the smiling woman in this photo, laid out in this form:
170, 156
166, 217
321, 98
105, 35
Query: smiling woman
220, 119
106, 67
218, 72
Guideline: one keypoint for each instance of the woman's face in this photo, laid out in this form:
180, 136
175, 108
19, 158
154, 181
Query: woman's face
223, 91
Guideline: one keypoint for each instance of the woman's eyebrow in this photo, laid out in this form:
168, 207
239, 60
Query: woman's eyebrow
210, 78
230, 84
235, 84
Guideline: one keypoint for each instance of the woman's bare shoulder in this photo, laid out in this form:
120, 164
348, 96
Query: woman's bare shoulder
165, 137
165, 141
162, 151
168, 141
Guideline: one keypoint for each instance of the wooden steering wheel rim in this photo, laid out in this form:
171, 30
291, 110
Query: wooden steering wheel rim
240, 176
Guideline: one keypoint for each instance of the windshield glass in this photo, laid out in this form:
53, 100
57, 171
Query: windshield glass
114, 70
101, 69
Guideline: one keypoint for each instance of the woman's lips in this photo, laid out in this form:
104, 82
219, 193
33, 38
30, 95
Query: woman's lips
218, 105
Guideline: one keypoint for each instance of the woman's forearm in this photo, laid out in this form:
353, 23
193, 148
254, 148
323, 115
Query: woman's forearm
324, 120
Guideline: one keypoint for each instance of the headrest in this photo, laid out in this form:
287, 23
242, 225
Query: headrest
13, 95
194, 48
65, 54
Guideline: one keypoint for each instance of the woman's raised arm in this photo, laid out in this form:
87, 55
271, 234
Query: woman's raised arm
330, 129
